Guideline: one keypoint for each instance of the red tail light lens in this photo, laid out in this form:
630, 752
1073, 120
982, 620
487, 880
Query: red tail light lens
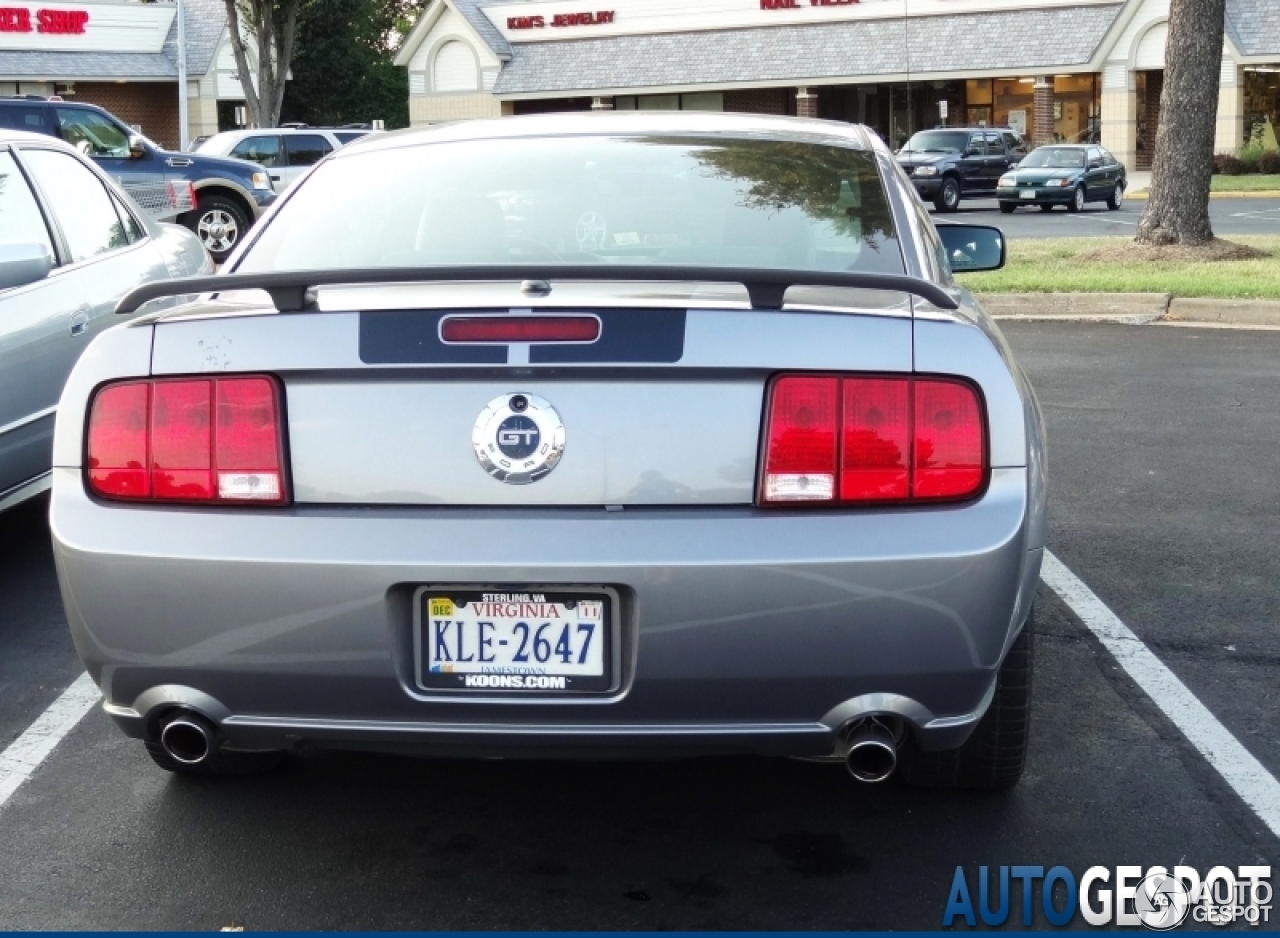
949, 448
119, 458
857, 440
188, 440
801, 455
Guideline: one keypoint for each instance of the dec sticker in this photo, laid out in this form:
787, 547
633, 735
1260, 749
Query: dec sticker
441, 606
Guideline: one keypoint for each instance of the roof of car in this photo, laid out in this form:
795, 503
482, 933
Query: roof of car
21, 136
694, 123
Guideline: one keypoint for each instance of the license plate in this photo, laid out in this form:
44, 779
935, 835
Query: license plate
1027, 194
517, 640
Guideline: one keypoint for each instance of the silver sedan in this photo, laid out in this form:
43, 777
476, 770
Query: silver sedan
577, 435
71, 245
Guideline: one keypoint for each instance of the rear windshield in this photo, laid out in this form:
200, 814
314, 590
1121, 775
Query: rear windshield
1054, 158
609, 200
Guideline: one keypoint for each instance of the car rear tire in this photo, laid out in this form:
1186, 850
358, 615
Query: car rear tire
948, 198
1077, 200
1116, 198
1008, 207
994, 755
219, 223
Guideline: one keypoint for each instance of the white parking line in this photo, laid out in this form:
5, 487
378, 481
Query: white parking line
24, 755
1256, 786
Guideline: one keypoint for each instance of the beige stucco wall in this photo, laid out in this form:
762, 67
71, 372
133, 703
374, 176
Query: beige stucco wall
1229, 135
427, 109
202, 117
1120, 124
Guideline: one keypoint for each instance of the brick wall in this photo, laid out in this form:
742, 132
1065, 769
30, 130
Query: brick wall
760, 100
153, 106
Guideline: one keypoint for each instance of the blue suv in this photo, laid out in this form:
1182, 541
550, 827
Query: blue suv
229, 194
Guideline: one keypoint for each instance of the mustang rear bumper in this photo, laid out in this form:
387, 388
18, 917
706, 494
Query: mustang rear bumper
741, 630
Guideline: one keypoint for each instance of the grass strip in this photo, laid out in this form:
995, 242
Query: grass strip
1053, 265
1256, 182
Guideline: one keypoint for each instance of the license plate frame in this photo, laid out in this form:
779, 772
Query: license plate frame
455, 682
1026, 193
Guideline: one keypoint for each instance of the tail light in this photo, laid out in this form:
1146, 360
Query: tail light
855, 439
212, 440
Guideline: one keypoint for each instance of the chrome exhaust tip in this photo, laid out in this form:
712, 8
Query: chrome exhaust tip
872, 753
187, 739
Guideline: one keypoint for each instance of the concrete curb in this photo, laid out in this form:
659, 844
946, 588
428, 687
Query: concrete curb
1242, 312
1132, 308
1142, 194
1125, 307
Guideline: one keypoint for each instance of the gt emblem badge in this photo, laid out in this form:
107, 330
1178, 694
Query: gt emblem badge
518, 438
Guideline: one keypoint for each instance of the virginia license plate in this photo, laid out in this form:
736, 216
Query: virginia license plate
1027, 194
514, 641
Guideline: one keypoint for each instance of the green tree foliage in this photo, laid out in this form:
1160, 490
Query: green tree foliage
342, 71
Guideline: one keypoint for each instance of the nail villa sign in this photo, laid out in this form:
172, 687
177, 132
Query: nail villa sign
596, 18
26, 20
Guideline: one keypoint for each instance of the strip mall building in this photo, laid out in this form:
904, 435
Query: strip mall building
123, 56
1064, 70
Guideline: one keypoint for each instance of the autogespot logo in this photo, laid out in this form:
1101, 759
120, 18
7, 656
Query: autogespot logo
1128, 895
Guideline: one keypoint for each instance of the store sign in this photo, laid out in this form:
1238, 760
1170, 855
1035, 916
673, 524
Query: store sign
63, 22
800, 4
598, 18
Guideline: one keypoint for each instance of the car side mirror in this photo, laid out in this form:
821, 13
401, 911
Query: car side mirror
973, 151
1095, 164
137, 148
973, 247
23, 262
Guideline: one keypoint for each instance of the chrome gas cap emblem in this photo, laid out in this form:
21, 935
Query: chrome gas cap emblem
518, 438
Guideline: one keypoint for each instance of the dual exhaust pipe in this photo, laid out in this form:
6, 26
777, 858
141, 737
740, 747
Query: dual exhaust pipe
870, 745
188, 738
870, 748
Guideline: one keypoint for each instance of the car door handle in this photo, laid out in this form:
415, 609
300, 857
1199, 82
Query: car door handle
178, 161
80, 321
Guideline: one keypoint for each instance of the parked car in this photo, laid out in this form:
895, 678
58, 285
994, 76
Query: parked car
229, 194
71, 245
954, 163
1064, 174
742, 471
287, 152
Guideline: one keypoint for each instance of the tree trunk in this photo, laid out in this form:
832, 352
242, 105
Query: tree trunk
242, 63
273, 24
1178, 210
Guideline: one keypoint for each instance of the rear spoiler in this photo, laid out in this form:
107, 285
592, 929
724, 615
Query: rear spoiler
290, 290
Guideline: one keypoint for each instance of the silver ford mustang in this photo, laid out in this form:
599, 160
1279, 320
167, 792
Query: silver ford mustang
581, 435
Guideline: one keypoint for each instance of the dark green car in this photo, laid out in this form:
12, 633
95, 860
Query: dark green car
1063, 174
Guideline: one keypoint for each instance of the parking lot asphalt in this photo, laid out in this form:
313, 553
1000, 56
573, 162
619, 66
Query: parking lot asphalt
1229, 217
1164, 469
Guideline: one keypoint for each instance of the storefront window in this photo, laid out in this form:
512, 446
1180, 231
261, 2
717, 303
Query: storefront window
1262, 107
1075, 109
